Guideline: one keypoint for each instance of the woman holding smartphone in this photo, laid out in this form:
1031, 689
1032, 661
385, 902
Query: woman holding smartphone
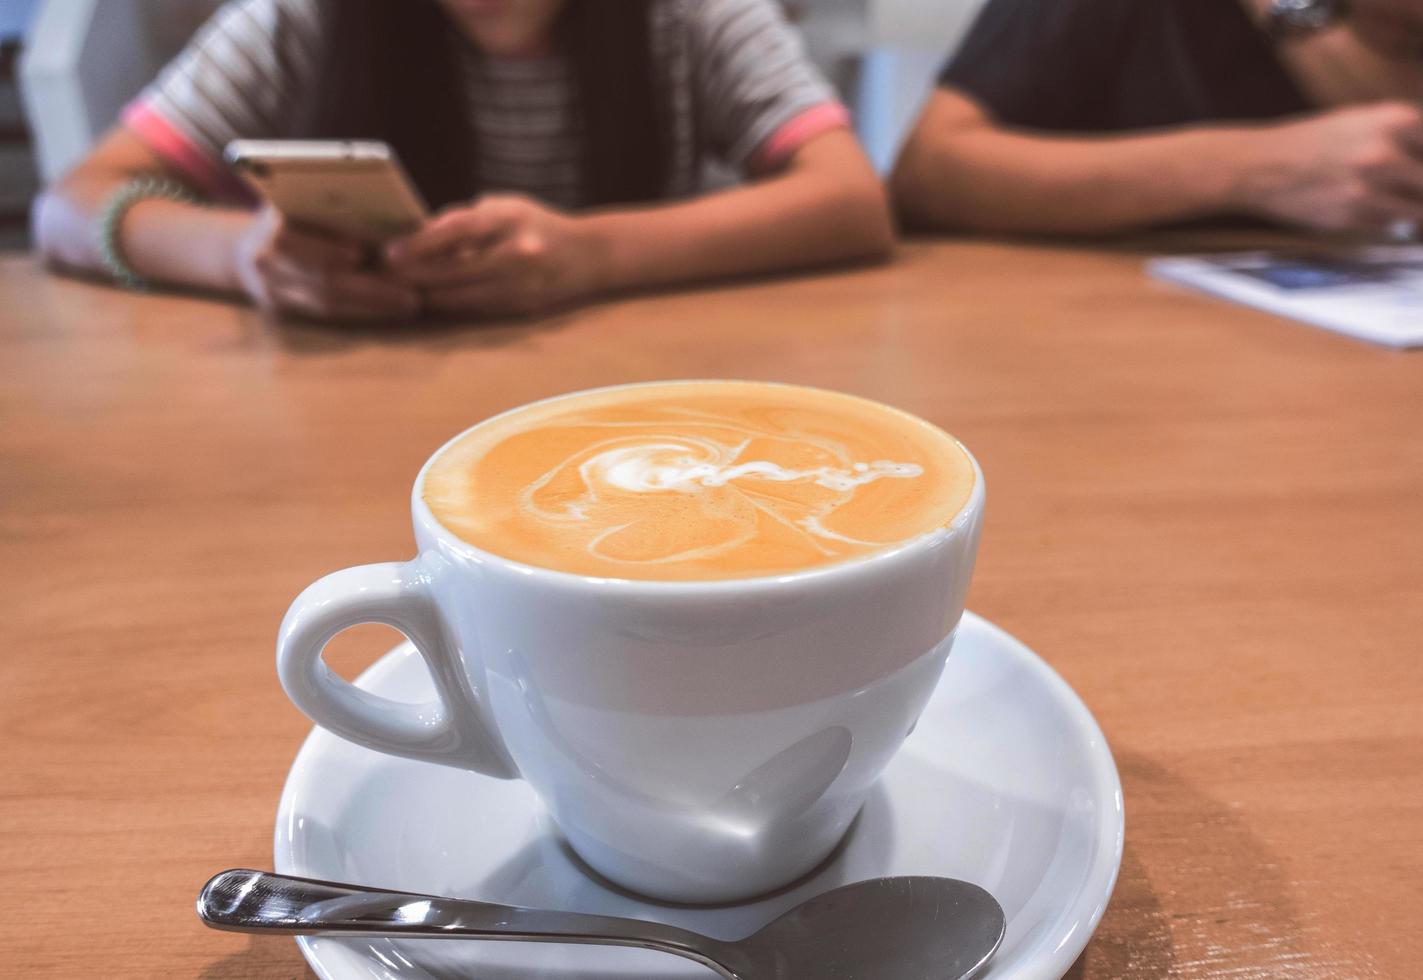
564, 145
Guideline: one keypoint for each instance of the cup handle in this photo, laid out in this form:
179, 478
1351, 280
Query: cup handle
453, 730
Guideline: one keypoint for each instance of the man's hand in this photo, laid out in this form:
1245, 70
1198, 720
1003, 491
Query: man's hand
287, 271
502, 255
1355, 170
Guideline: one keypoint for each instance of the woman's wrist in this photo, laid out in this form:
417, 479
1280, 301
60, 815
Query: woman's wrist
607, 258
186, 245
220, 265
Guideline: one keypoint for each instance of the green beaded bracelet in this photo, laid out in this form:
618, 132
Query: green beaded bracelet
118, 204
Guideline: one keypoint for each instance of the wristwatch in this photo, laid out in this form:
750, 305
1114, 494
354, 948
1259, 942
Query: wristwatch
1287, 19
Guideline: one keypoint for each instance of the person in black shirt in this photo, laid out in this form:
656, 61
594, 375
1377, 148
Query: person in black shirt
1095, 116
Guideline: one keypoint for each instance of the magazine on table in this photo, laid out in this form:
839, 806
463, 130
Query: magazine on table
1374, 294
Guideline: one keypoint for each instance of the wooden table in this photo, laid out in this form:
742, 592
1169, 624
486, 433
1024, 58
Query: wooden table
1209, 520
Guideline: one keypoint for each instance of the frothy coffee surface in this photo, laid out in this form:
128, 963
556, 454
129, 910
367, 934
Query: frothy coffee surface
697, 480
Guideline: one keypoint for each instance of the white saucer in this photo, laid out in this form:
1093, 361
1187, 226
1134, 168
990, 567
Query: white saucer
1006, 782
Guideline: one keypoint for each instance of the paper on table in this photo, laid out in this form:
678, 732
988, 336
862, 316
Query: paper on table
1375, 294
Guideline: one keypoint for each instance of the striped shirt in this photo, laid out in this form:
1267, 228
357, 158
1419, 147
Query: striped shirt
741, 93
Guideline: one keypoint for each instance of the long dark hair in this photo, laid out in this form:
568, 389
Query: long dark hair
390, 71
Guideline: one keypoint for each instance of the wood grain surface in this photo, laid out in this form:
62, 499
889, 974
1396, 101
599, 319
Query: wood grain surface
1208, 520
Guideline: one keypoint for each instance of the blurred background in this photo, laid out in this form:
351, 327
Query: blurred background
68, 66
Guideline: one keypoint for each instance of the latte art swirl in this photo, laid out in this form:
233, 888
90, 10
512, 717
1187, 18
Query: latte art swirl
732, 502
697, 480
643, 468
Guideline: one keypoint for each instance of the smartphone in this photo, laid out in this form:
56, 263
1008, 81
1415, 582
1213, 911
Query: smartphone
353, 188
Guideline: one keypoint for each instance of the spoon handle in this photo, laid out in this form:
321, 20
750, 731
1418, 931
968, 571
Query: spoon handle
257, 901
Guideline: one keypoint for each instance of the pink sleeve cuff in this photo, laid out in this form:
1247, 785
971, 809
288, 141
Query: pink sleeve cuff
780, 146
181, 153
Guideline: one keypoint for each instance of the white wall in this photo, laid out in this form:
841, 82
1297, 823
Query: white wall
85, 59
884, 55
936, 25
908, 43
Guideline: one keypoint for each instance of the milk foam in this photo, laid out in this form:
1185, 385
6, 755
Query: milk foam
701, 480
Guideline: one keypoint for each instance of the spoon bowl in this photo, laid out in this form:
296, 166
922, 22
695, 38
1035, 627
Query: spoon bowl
885, 928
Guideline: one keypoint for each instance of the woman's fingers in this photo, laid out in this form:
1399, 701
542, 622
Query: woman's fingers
314, 250
471, 226
297, 271
504, 255
462, 265
344, 295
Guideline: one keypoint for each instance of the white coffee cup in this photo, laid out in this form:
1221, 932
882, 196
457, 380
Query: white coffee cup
696, 741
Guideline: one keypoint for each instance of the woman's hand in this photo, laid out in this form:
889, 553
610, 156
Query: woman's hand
502, 255
288, 271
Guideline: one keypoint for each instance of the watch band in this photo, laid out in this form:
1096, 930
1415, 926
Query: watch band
1299, 18
116, 207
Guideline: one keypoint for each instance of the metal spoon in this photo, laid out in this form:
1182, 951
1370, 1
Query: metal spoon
881, 929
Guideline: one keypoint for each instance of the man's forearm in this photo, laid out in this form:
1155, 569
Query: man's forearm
988, 179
